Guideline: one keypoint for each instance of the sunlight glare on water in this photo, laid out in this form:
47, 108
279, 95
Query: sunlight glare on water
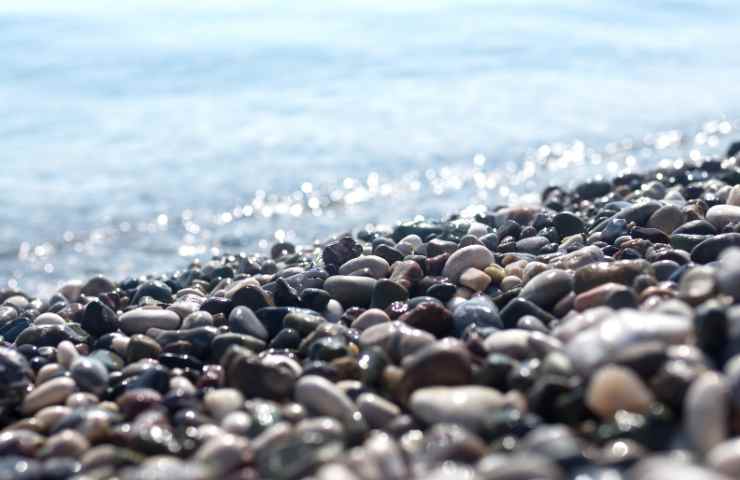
137, 135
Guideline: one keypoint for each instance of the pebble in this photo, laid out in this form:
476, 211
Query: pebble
475, 279
707, 412
52, 392
377, 266
723, 215
322, 397
596, 335
545, 289
614, 388
468, 406
473, 256
89, 374
351, 291
142, 319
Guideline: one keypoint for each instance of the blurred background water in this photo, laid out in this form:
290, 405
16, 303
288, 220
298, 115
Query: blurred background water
137, 135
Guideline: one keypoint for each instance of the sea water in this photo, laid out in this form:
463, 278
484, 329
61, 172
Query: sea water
136, 136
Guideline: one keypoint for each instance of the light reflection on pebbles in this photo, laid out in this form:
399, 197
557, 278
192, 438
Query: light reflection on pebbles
319, 210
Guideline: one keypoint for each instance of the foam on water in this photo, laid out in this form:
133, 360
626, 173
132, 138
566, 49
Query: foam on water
135, 136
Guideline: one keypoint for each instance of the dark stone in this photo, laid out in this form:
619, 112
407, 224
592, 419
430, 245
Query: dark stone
386, 292
341, 251
155, 289
250, 296
16, 376
520, 307
430, 317
593, 189
221, 343
51, 335
710, 249
315, 298
287, 338
99, 319
243, 320
568, 224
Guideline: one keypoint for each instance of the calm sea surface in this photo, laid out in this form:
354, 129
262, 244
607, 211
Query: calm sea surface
135, 136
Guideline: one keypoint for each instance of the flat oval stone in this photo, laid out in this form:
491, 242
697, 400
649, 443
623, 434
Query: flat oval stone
142, 319
622, 271
368, 318
468, 406
473, 256
51, 335
350, 291
578, 258
722, 215
52, 392
614, 388
378, 411
396, 339
547, 288
710, 249
706, 411
666, 219
323, 397
639, 213
49, 318
378, 266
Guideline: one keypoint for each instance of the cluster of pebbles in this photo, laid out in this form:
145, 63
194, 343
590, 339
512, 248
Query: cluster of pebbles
593, 337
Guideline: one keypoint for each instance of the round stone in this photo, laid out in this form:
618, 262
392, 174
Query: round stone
722, 215
468, 406
52, 392
475, 279
547, 288
473, 256
99, 319
567, 224
90, 375
243, 320
666, 219
142, 319
614, 388
350, 291
377, 266
706, 411
222, 401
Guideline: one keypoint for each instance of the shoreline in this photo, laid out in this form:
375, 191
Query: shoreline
596, 334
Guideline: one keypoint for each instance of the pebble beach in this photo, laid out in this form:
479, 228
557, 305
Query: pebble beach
595, 335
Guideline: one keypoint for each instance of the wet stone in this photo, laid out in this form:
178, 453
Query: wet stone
351, 291
142, 319
547, 288
468, 405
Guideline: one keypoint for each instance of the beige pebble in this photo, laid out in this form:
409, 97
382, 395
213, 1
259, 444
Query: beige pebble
475, 279
66, 353
614, 388
516, 268
67, 443
734, 196
510, 282
533, 269
370, 317
53, 392
223, 401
